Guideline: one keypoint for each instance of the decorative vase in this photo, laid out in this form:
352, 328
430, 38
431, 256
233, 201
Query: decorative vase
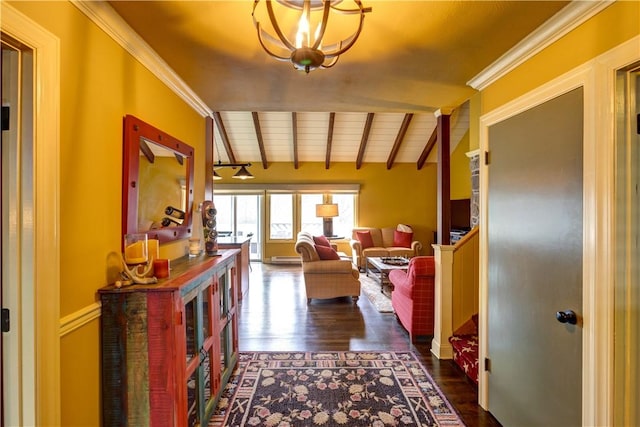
209, 228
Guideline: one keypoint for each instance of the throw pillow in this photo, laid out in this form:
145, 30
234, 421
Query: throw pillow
321, 241
402, 239
365, 239
326, 252
405, 228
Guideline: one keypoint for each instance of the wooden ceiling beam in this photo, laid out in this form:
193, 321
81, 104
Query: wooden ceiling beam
223, 135
365, 140
399, 139
332, 119
294, 125
258, 129
427, 148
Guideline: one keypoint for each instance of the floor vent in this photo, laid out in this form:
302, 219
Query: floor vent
285, 260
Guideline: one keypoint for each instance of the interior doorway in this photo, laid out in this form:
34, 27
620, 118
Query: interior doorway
17, 239
36, 225
627, 283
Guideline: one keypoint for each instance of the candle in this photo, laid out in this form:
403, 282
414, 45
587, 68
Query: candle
154, 248
135, 249
161, 268
135, 253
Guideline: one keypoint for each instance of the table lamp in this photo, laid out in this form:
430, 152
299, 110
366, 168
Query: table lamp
327, 211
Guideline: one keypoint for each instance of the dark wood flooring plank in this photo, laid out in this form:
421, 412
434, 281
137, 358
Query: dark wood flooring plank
274, 316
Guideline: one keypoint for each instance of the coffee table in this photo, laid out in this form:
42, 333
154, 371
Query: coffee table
381, 269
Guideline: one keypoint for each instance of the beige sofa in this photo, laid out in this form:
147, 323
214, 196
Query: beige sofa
326, 278
382, 246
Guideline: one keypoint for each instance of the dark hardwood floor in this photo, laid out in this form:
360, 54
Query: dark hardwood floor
274, 316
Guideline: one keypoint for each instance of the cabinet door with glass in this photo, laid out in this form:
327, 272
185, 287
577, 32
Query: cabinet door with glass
202, 367
227, 320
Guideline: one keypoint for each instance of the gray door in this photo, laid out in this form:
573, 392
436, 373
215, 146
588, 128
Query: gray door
535, 264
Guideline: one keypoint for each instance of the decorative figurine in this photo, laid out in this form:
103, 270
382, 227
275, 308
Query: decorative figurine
209, 228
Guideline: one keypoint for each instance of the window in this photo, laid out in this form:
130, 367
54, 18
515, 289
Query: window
241, 215
225, 215
345, 221
284, 209
308, 219
281, 217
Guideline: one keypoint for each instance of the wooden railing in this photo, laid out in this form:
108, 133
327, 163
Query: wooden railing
456, 289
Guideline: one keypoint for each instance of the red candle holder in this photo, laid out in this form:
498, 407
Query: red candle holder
161, 268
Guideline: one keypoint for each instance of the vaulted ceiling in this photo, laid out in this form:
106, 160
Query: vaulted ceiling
412, 58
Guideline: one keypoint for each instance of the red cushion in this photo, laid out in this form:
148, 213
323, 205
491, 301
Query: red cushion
365, 239
321, 241
326, 252
402, 239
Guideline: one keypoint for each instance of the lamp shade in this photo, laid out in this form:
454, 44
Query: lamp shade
328, 210
243, 173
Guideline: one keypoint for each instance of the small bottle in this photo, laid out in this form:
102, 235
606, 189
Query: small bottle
174, 212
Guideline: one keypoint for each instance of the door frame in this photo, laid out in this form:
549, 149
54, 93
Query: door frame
43, 393
597, 77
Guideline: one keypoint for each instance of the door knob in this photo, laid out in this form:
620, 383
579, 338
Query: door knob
567, 316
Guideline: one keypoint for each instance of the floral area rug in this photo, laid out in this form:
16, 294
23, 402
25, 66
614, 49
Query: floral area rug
332, 389
371, 288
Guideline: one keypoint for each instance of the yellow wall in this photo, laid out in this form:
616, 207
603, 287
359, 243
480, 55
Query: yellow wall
402, 194
460, 171
100, 84
612, 26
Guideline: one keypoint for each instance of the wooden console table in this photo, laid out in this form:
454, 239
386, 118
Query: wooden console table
168, 349
242, 243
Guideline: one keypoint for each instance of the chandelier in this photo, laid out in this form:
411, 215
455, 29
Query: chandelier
305, 23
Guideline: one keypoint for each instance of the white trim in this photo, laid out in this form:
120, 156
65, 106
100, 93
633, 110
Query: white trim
598, 79
46, 283
103, 15
571, 16
443, 302
73, 321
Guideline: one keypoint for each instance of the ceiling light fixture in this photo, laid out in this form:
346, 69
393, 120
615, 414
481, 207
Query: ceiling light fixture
309, 51
243, 173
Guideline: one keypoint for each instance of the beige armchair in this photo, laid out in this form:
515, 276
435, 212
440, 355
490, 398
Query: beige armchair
383, 245
326, 278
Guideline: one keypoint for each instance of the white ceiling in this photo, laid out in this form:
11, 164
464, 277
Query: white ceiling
412, 57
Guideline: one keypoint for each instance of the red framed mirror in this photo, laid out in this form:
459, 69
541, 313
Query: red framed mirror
157, 183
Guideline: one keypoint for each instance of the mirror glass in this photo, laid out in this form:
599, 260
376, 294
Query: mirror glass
157, 184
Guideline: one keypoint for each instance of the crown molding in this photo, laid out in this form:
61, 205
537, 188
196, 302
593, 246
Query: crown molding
570, 17
106, 18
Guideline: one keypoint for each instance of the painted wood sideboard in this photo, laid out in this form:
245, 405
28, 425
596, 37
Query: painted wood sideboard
242, 243
168, 349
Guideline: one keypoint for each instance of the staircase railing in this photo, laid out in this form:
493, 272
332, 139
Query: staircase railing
456, 289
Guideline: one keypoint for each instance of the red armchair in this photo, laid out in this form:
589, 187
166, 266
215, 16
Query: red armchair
412, 297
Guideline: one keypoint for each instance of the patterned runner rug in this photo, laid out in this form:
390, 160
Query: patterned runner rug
332, 389
371, 289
